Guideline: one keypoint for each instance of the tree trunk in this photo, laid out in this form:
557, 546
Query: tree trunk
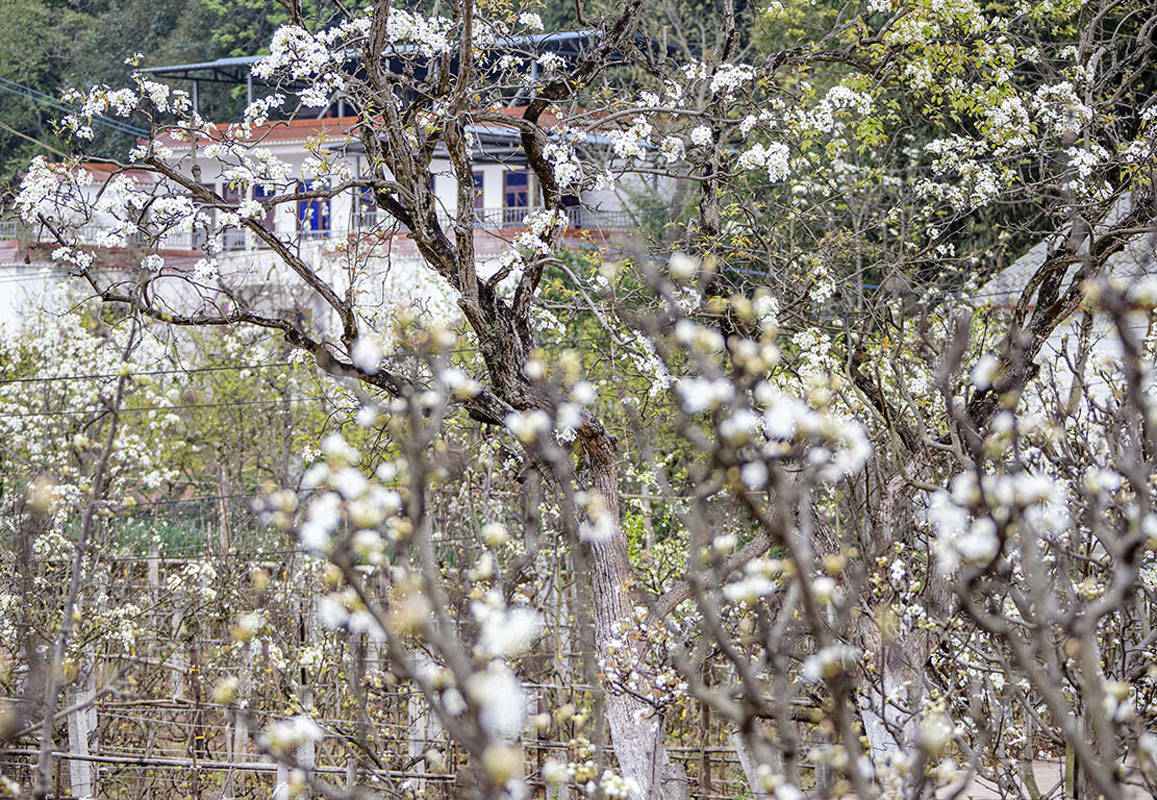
749, 765
898, 652
638, 741
888, 728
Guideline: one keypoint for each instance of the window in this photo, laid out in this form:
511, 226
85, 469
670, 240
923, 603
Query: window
232, 238
480, 202
572, 209
230, 194
515, 197
313, 214
516, 188
367, 210
260, 194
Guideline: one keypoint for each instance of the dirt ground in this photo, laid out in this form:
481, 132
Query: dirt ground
1049, 780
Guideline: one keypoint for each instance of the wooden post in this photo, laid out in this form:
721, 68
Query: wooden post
227, 789
1027, 754
222, 513
705, 787
414, 748
1072, 781
281, 787
154, 572
747, 763
197, 743
82, 774
358, 648
177, 663
237, 738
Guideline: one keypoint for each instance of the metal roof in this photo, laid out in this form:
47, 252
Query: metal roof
238, 69
496, 144
222, 70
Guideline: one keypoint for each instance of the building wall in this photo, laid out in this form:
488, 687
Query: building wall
22, 287
396, 266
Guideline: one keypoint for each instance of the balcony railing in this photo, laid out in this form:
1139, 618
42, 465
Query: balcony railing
97, 235
514, 217
233, 239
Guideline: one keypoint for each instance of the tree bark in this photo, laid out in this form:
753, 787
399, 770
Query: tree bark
638, 740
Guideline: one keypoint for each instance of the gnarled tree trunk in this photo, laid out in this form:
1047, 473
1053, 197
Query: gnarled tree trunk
637, 737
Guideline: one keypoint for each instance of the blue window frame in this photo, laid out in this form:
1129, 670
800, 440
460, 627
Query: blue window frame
516, 189
313, 214
261, 193
479, 182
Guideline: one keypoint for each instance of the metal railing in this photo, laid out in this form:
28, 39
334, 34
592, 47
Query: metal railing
234, 239
514, 217
97, 235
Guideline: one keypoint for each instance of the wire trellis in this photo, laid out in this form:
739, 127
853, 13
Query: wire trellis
158, 732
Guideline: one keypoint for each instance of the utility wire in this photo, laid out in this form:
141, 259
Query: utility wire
228, 404
237, 367
28, 92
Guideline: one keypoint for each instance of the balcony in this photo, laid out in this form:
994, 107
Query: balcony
513, 218
95, 235
238, 240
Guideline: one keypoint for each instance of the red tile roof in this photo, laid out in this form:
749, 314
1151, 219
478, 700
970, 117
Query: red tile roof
297, 130
303, 129
102, 172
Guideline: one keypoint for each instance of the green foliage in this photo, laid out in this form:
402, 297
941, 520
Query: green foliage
244, 27
180, 528
37, 41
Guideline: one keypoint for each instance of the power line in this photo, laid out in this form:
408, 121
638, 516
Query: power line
234, 403
190, 371
113, 125
28, 92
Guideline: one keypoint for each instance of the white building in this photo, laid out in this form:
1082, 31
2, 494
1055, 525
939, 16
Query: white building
1133, 266
326, 233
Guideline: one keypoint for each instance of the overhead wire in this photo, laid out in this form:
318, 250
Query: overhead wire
12, 87
139, 409
175, 371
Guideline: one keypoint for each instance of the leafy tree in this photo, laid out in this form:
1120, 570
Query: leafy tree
32, 56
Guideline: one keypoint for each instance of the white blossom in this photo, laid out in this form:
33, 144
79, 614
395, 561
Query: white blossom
500, 698
367, 353
506, 632
773, 157
702, 136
